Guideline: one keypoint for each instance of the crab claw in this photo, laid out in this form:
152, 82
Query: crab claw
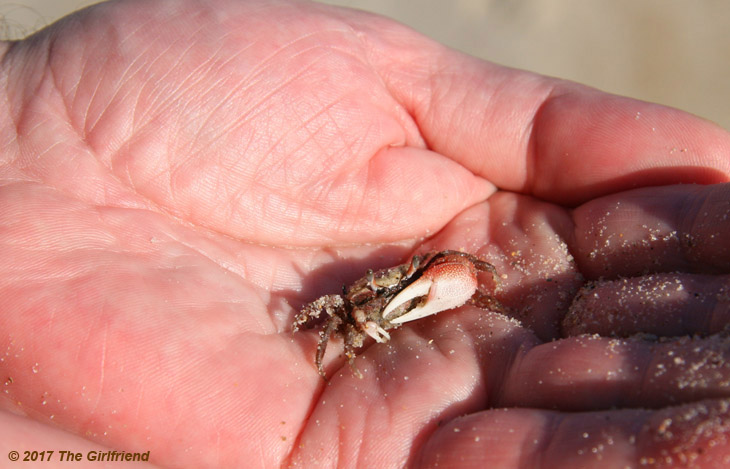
448, 284
376, 332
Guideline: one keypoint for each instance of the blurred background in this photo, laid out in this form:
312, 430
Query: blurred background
671, 52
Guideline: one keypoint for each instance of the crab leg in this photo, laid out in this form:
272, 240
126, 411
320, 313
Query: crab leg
445, 285
324, 337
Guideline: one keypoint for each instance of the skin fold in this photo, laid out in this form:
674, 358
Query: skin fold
179, 178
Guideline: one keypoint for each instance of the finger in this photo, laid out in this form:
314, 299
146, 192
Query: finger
696, 435
590, 372
667, 305
559, 141
660, 229
406, 192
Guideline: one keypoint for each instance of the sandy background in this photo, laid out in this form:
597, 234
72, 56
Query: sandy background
671, 52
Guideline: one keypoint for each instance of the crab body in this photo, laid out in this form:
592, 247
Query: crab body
385, 299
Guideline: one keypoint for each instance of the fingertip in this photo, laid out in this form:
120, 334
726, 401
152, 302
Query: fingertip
416, 191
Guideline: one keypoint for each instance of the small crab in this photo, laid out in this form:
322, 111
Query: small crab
385, 299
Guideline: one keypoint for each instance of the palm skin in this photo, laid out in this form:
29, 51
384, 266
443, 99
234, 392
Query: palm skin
180, 177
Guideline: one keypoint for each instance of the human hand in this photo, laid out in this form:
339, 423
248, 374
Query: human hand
181, 177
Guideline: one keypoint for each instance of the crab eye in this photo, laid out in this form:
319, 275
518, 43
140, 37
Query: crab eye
415, 264
370, 276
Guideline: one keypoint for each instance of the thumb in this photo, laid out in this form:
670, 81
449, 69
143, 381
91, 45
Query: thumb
557, 140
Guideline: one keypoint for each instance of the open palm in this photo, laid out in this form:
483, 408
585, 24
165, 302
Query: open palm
180, 177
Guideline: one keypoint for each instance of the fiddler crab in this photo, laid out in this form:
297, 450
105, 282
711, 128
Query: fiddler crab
385, 299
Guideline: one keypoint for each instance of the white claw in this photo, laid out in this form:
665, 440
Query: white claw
445, 286
376, 332
420, 287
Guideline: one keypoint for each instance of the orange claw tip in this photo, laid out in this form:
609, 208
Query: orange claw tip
446, 285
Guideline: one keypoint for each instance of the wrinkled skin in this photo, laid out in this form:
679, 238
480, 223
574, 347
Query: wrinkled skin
176, 176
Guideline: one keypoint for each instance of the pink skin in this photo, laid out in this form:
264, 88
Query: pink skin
161, 159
